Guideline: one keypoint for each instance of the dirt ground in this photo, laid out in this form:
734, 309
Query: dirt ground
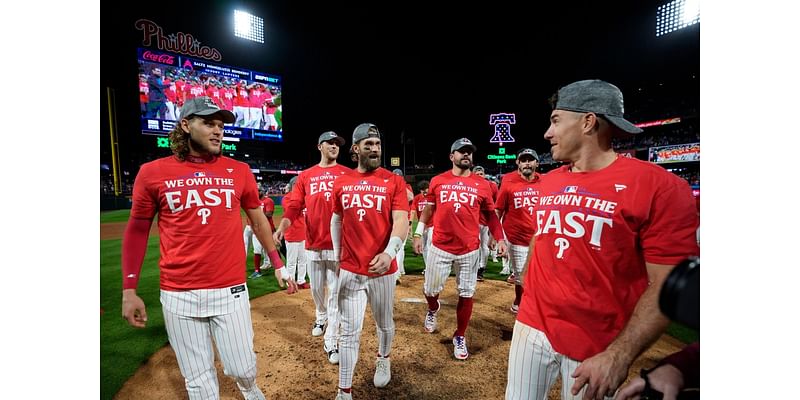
292, 364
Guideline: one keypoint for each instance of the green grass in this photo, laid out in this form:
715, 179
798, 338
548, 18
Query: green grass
124, 349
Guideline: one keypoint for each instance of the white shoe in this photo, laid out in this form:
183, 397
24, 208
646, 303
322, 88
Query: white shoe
514, 308
460, 347
383, 372
333, 354
430, 319
344, 396
317, 330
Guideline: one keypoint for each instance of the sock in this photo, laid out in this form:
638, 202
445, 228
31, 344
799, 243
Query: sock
463, 314
433, 302
257, 261
348, 390
518, 291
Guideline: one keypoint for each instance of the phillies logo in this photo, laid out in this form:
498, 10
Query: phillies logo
361, 212
159, 58
457, 206
204, 213
562, 244
328, 196
530, 210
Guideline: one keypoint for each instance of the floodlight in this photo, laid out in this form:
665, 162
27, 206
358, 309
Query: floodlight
677, 14
248, 26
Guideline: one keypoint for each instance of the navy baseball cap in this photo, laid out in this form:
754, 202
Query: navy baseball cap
204, 106
364, 131
527, 152
397, 171
331, 135
461, 143
600, 97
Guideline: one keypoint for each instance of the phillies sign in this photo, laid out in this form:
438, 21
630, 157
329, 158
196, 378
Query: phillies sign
180, 42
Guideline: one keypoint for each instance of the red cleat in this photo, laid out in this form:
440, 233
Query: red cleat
304, 285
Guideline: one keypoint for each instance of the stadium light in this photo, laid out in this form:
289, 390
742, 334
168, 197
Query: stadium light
677, 14
248, 26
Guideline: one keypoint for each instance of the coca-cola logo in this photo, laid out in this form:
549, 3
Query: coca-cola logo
159, 58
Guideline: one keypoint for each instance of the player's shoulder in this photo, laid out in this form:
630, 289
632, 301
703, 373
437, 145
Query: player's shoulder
647, 171
231, 163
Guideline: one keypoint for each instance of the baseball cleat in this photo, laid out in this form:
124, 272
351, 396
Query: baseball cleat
511, 278
460, 347
303, 285
333, 354
317, 330
430, 319
383, 372
255, 275
344, 396
514, 308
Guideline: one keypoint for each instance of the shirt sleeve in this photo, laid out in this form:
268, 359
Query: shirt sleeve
399, 199
337, 196
669, 234
295, 207
502, 201
250, 198
145, 195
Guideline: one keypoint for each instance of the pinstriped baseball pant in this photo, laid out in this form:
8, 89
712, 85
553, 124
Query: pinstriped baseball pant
354, 292
322, 274
436, 273
533, 367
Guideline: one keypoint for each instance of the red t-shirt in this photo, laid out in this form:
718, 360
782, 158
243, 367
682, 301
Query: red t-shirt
493, 186
313, 191
517, 202
458, 202
418, 204
595, 231
267, 205
199, 225
297, 230
366, 202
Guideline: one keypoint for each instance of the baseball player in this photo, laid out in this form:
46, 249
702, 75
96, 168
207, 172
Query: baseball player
458, 197
515, 207
313, 191
609, 229
369, 222
401, 255
197, 194
260, 261
295, 237
417, 205
486, 247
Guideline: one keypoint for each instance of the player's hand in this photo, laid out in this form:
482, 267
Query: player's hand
285, 281
417, 244
133, 309
380, 264
666, 379
603, 373
502, 248
277, 236
492, 244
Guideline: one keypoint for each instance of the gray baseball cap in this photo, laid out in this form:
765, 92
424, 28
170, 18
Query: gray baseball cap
205, 106
594, 95
528, 152
397, 171
331, 135
364, 131
461, 143
477, 168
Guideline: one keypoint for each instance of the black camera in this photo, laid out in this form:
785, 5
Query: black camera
680, 295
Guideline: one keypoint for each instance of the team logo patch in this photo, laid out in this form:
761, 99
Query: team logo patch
363, 182
229, 170
619, 187
571, 189
237, 289
199, 174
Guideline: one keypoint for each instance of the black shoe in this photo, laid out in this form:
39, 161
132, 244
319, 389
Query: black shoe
480, 275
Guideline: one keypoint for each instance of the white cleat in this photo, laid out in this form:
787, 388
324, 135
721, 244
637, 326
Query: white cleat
344, 396
383, 372
460, 347
333, 354
430, 319
317, 330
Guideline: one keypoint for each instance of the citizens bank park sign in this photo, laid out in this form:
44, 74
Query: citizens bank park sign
183, 43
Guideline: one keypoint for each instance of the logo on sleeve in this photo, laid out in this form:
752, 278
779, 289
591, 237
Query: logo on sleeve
619, 187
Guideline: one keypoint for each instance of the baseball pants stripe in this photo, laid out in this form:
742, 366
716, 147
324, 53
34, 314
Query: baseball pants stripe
517, 256
485, 238
354, 292
190, 338
296, 260
466, 270
325, 291
427, 238
533, 367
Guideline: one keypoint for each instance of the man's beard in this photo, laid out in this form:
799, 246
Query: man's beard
203, 149
461, 166
367, 163
526, 172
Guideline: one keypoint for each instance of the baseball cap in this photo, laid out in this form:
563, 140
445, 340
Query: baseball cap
594, 95
461, 143
397, 171
477, 168
205, 106
529, 152
364, 131
331, 135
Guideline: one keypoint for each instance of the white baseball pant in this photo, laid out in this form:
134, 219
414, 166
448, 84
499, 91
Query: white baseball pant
436, 273
248, 238
427, 239
296, 260
256, 117
242, 115
354, 292
323, 274
485, 238
192, 318
533, 367
517, 255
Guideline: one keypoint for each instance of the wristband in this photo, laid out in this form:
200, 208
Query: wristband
420, 229
395, 244
275, 258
